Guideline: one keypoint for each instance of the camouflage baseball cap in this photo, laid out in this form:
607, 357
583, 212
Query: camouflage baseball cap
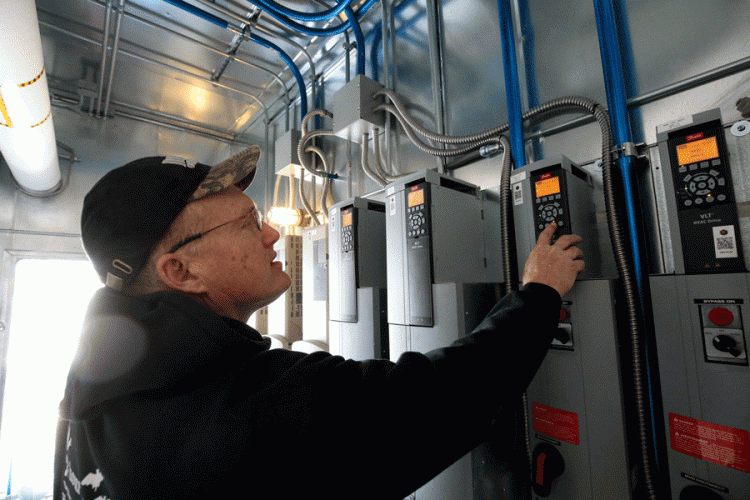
129, 209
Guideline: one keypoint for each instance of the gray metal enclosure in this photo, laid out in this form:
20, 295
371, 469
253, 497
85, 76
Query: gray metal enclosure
134, 78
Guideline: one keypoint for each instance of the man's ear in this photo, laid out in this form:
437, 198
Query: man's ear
174, 271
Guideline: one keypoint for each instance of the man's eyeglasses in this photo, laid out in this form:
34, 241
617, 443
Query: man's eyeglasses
255, 214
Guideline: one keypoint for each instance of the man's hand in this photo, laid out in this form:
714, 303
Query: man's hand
554, 265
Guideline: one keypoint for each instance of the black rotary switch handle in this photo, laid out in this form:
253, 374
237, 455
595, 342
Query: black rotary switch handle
725, 343
548, 465
695, 492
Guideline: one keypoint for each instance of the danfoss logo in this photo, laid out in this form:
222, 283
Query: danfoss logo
694, 137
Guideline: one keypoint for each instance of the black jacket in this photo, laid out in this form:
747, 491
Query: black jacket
166, 399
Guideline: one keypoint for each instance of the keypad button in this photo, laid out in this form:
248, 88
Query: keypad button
721, 182
716, 162
711, 183
682, 169
702, 192
687, 178
709, 199
693, 166
688, 203
698, 201
704, 164
721, 197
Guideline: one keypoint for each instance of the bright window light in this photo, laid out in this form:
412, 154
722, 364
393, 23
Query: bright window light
49, 302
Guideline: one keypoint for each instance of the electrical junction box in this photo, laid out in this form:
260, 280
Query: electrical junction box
286, 152
285, 313
357, 279
702, 232
353, 106
556, 189
444, 272
701, 332
314, 290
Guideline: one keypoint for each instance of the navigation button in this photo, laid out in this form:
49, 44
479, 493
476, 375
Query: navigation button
698, 201
720, 181
694, 166
721, 197
688, 203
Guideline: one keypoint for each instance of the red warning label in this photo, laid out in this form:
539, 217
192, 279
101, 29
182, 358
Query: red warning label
714, 443
557, 424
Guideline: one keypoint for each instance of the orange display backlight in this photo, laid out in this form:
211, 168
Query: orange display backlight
346, 219
416, 198
696, 151
547, 187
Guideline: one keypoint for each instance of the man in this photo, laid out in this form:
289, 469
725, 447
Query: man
172, 395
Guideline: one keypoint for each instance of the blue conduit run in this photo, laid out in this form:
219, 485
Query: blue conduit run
297, 75
262, 41
306, 16
617, 98
631, 79
199, 12
527, 35
351, 22
512, 88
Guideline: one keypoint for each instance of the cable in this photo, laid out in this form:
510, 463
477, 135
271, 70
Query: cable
292, 66
351, 22
303, 16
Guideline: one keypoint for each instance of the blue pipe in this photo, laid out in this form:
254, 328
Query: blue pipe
614, 79
292, 66
199, 12
512, 88
262, 41
335, 30
527, 35
631, 78
304, 16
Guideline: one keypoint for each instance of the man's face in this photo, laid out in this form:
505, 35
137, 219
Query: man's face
236, 261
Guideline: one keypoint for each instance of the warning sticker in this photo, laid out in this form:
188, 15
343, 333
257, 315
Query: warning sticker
557, 424
713, 443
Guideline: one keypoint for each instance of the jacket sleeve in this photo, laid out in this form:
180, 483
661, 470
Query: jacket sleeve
405, 422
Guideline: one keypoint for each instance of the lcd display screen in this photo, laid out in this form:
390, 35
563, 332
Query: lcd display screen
416, 198
692, 152
547, 187
346, 219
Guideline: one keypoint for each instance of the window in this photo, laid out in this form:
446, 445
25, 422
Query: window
49, 301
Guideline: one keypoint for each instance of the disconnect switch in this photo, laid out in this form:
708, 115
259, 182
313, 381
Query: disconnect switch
723, 332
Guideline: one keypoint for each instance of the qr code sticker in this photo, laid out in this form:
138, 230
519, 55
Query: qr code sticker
517, 194
725, 243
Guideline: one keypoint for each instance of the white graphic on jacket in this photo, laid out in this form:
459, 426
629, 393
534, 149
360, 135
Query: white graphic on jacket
92, 481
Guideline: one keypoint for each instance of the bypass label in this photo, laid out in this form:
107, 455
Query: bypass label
557, 424
713, 443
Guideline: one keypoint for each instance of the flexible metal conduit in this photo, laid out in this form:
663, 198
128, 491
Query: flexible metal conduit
617, 100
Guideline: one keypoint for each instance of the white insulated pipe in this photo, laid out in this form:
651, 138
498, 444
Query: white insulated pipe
27, 136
